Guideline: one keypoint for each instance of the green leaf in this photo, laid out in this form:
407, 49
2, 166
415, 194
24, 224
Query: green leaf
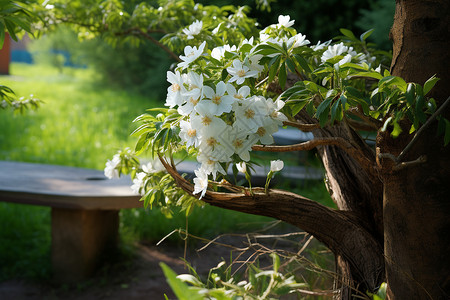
298, 107
410, 93
334, 110
391, 81
275, 63
429, 84
420, 115
348, 34
276, 261
282, 75
397, 129
180, 289
303, 63
375, 75
290, 64
366, 34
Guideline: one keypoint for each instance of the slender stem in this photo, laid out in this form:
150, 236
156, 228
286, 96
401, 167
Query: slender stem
302, 127
422, 129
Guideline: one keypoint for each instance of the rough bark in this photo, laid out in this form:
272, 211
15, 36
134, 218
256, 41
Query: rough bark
416, 207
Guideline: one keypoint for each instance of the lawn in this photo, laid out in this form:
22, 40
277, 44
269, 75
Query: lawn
83, 123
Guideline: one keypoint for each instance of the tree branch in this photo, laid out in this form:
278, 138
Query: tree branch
302, 127
357, 155
138, 31
422, 129
340, 231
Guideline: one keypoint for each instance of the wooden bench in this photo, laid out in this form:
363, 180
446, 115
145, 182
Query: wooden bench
85, 211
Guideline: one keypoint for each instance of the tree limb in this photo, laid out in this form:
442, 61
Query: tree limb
139, 32
339, 230
357, 155
302, 127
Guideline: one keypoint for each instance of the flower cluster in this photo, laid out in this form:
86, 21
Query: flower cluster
222, 107
222, 120
345, 54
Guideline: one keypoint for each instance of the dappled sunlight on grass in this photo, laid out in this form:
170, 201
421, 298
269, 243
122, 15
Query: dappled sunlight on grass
80, 124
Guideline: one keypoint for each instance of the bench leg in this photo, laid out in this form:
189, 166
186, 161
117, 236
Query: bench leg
79, 240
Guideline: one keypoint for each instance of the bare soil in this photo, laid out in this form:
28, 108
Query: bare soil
141, 276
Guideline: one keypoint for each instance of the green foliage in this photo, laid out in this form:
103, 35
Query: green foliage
381, 293
220, 284
14, 19
82, 123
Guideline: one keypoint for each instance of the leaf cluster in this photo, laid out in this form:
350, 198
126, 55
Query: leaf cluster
220, 284
15, 18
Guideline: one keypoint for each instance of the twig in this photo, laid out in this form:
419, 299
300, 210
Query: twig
157, 43
422, 129
302, 127
305, 146
402, 165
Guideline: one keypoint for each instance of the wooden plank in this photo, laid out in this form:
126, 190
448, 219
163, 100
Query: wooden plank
64, 187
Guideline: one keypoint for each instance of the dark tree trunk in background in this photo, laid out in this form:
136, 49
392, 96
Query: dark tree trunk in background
417, 199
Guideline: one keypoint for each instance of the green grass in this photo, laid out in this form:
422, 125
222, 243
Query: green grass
83, 123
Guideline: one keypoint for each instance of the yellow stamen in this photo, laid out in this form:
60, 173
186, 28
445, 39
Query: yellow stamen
206, 120
176, 87
216, 99
192, 132
261, 131
249, 114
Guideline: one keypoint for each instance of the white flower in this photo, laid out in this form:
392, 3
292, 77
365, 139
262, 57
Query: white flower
210, 165
193, 29
333, 51
297, 40
200, 183
264, 133
138, 182
273, 111
254, 63
276, 165
218, 97
239, 95
346, 59
111, 167
153, 166
219, 52
206, 115
188, 134
241, 143
251, 114
192, 94
242, 167
285, 21
320, 46
174, 95
239, 72
190, 55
